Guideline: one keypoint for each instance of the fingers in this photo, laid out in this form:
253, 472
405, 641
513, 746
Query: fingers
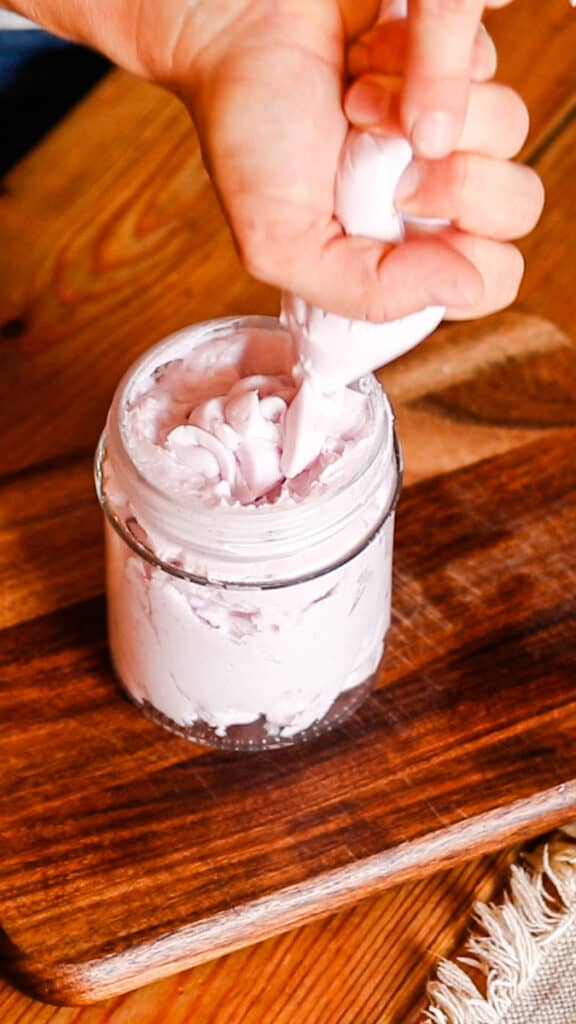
472, 276
483, 275
469, 275
496, 122
475, 188
491, 198
363, 279
383, 49
441, 36
501, 267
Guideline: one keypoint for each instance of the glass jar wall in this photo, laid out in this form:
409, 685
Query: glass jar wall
243, 625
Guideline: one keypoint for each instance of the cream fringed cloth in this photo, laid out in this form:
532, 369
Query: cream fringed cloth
519, 964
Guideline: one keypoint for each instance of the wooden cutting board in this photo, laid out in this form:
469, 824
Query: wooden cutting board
128, 854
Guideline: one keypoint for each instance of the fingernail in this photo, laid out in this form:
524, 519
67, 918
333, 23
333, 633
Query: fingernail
409, 182
460, 291
433, 135
366, 104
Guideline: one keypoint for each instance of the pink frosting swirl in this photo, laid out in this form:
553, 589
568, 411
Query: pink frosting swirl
234, 441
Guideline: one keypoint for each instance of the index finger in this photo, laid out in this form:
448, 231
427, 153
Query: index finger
441, 36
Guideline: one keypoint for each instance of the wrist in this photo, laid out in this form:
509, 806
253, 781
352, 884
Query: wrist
156, 41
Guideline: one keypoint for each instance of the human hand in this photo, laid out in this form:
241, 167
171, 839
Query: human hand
489, 200
266, 99
263, 81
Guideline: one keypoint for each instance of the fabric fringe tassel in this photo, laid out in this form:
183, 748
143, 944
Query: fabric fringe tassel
511, 939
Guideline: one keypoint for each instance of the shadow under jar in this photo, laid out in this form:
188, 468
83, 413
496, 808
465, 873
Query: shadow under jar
243, 626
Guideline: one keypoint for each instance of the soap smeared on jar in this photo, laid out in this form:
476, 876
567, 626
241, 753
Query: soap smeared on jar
208, 426
235, 424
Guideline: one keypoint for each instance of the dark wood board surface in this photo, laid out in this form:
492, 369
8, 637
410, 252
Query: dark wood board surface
110, 237
128, 853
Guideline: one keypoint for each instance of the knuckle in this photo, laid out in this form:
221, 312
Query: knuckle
459, 174
384, 293
258, 252
253, 256
377, 304
449, 8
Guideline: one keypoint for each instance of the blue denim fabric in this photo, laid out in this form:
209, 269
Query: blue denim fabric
18, 47
41, 77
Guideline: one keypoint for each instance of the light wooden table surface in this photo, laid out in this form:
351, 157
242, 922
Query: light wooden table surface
110, 237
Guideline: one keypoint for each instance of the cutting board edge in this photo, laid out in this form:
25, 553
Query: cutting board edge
92, 980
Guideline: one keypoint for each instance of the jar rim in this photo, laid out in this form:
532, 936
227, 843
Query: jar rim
153, 559
227, 533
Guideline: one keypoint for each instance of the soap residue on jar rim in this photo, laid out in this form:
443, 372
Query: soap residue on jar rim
254, 625
281, 539
188, 430
208, 423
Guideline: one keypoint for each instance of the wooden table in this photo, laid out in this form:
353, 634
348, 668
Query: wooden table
110, 238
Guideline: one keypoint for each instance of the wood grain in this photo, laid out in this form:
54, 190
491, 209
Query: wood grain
367, 964
51, 552
113, 238
109, 237
549, 280
479, 389
138, 854
128, 245
536, 44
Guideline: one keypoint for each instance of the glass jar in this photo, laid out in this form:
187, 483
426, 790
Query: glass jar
247, 626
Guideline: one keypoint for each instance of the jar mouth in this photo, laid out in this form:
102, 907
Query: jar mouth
260, 536
155, 561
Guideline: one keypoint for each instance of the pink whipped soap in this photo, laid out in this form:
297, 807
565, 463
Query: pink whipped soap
223, 423
259, 475
261, 607
209, 424
333, 350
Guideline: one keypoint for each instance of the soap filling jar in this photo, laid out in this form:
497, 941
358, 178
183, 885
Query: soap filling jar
247, 627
